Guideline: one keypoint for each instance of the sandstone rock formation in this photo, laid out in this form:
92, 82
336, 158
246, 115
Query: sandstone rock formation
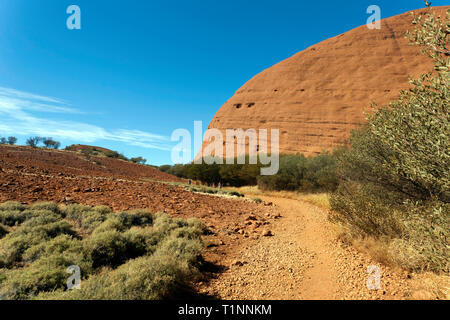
317, 96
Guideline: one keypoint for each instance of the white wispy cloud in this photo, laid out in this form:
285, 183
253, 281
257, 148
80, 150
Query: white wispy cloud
17, 116
28, 96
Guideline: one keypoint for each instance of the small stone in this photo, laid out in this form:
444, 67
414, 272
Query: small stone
237, 263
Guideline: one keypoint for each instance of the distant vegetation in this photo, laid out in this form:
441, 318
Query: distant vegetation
297, 172
10, 140
138, 160
97, 151
395, 177
87, 151
50, 143
47, 142
126, 255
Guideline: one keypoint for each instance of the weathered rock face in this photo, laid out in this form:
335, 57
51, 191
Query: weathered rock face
317, 96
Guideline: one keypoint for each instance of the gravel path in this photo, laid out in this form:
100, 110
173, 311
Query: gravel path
302, 260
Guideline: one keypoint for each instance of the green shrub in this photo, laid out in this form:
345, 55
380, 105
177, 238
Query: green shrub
298, 173
141, 241
86, 217
425, 244
316, 174
257, 200
12, 206
57, 245
34, 141
396, 174
49, 206
46, 274
11, 213
115, 155
108, 248
159, 276
3, 231
125, 255
139, 160
12, 218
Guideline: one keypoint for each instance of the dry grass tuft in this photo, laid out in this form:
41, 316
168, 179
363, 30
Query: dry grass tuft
318, 199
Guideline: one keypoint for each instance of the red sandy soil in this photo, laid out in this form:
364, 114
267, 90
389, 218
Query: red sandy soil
32, 175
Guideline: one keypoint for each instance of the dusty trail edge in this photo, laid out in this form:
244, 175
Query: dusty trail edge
304, 260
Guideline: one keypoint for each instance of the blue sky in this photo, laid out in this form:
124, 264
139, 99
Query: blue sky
138, 70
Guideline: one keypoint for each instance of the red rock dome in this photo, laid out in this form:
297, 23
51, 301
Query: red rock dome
317, 96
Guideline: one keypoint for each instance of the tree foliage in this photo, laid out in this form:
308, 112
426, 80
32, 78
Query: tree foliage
297, 172
12, 140
50, 143
395, 177
33, 141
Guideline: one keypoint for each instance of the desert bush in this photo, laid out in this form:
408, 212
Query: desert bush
160, 275
34, 141
12, 140
36, 224
425, 244
14, 213
3, 231
395, 176
56, 245
141, 241
122, 221
15, 243
107, 248
85, 217
299, 173
165, 168
132, 255
13, 217
46, 274
138, 160
115, 155
49, 206
50, 143
257, 200
12, 205
288, 176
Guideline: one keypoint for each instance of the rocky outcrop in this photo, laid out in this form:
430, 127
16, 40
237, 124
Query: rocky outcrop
316, 97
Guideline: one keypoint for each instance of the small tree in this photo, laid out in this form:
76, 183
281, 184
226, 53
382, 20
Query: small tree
12, 140
395, 177
33, 141
3, 140
138, 160
51, 144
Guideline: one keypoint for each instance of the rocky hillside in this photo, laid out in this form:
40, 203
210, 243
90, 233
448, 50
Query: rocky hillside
317, 96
